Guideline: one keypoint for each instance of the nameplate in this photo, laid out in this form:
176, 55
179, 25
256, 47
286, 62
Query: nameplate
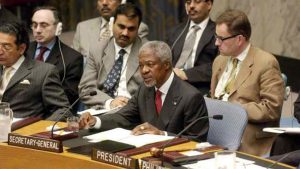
114, 159
35, 143
149, 165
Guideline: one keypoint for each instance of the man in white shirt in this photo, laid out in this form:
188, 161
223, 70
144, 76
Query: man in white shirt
193, 45
248, 76
114, 79
164, 104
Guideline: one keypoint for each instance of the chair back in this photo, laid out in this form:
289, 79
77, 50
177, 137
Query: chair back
229, 131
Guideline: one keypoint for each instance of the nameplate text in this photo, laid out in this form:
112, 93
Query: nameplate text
114, 159
35, 143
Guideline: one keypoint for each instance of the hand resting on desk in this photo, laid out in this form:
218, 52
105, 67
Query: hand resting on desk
146, 128
86, 121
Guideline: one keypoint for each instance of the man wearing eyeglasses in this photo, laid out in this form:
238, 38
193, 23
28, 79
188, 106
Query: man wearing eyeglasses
192, 44
48, 48
248, 76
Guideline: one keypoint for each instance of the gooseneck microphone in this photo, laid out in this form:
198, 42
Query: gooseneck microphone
158, 152
90, 93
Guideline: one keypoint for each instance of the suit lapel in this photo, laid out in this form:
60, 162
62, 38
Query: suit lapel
22, 72
54, 54
207, 34
31, 50
245, 70
151, 114
133, 62
170, 104
109, 56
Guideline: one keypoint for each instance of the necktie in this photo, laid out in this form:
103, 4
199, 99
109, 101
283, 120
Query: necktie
231, 79
112, 80
158, 101
188, 48
5, 79
40, 56
106, 33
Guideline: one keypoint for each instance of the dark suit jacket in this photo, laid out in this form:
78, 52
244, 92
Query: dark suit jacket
291, 158
35, 90
183, 104
7, 16
74, 66
200, 75
297, 108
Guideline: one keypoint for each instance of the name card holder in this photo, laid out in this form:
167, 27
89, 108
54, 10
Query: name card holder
35, 143
114, 159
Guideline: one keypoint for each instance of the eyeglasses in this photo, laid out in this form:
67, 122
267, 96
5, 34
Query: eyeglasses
195, 1
42, 25
222, 39
6, 46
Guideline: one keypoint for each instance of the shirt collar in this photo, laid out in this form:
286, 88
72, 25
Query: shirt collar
49, 45
18, 63
103, 22
166, 86
118, 48
243, 55
202, 24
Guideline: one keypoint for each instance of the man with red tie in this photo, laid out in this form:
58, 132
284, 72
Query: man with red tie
163, 105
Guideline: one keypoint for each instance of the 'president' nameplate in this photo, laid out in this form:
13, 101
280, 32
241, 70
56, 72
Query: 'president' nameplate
114, 159
35, 143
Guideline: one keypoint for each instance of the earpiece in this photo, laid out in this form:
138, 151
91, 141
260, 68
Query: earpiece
58, 29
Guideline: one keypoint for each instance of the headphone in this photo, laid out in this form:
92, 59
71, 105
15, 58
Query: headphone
58, 29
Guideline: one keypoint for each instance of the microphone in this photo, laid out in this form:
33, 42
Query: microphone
158, 152
90, 93
272, 165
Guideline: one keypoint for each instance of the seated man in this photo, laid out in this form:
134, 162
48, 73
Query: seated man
164, 104
96, 29
288, 144
31, 88
248, 76
48, 48
112, 64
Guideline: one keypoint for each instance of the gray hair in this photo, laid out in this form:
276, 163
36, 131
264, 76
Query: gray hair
159, 49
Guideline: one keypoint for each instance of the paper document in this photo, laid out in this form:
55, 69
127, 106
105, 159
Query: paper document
97, 112
279, 130
17, 119
125, 136
209, 163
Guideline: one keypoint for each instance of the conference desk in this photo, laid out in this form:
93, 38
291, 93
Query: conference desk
12, 157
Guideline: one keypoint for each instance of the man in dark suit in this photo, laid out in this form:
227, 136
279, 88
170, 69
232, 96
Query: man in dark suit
164, 104
31, 88
288, 144
46, 27
104, 57
192, 58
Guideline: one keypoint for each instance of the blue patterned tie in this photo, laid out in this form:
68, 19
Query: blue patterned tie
112, 80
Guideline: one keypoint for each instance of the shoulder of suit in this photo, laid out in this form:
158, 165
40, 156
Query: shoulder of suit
261, 55
89, 22
70, 51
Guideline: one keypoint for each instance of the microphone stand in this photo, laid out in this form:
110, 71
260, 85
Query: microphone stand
91, 93
156, 152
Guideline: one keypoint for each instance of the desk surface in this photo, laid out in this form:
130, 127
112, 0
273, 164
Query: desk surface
12, 157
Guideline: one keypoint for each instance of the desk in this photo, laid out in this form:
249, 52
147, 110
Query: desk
12, 157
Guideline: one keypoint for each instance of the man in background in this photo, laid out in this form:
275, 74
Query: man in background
112, 64
248, 76
193, 45
93, 30
163, 105
31, 88
47, 47
6, 15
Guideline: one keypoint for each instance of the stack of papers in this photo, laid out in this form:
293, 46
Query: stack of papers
125, 136
295, 130
97, 112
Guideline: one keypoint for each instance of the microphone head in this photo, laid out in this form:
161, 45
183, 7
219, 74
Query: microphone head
156, 152
218, 117
93, 93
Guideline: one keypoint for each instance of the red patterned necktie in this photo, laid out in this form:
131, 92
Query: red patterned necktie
158, 101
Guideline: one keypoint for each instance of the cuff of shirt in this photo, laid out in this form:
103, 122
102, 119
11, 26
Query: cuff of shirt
166, 133
98, 123
107, 104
